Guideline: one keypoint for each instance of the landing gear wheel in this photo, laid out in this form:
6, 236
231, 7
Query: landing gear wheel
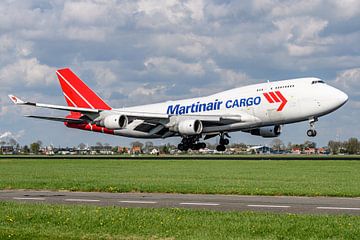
183, 147
311, 133
224, 141
220, 148
202, 145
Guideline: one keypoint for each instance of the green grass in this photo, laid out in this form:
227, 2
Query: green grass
40, 221
297, 178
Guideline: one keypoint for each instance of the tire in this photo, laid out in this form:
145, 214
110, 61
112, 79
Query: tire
220, 148
181, 147
311, 133
224, 141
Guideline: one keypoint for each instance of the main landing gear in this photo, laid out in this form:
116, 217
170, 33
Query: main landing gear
191, 143
312, 132
223, 142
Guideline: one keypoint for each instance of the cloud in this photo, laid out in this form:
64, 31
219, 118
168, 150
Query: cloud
28, 72
349, 79
173, 66
8, 135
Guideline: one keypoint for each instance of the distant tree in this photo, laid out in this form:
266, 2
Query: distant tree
35, 147
82, 146
277, 144
289, 146
124, 150
2, 142
239, 145
115, 149
309, 144
106, 144
99, 144
334, 146
148, 146
165, 149
352, 146
26, 149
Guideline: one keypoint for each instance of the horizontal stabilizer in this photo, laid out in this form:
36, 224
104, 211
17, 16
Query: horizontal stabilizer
59, 119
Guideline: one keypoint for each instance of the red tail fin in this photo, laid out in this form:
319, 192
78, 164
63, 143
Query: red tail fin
76, 93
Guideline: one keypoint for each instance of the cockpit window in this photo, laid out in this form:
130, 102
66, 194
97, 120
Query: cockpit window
317, 81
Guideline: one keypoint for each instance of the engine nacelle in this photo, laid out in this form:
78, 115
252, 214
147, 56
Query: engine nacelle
267, 132
190, 127
114, 122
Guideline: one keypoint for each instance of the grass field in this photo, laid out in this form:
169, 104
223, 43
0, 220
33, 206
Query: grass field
39, 221
300, 178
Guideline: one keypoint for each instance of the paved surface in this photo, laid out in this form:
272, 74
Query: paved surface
282, 204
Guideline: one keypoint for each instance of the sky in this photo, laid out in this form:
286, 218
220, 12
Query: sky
135, 52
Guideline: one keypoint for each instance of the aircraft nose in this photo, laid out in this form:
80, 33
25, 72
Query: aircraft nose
342, 97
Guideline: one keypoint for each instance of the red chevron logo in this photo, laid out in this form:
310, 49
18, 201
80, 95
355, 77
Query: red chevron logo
276, 97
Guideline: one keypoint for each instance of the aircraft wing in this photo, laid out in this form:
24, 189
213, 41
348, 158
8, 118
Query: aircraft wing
18, 101
148, 122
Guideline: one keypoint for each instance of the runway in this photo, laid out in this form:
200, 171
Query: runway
280, 204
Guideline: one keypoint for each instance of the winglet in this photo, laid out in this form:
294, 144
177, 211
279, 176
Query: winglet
16, 100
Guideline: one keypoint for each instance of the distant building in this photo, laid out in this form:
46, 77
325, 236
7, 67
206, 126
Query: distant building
105, 150
123, 150
136, 150
260, 150
7, 150
296, 151
310, 151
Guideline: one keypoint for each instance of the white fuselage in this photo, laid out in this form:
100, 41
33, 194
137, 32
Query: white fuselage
299, 100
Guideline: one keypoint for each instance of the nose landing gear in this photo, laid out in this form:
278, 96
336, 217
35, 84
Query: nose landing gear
312, 132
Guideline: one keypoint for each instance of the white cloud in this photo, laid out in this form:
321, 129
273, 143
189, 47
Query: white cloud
29, 72
346, 8
16, 135
350, 80
147, 90
172, 66
85, 12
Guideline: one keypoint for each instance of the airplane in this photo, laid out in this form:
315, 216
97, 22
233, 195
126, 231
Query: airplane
260, 109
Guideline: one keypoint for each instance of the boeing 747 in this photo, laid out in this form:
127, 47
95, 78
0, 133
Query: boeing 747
260, 109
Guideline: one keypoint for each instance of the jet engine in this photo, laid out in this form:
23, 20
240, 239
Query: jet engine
114, 122
190, 127
267, 132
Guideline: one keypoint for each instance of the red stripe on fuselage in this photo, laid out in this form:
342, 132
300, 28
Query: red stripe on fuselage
90, 127
283, 101
268, 98
276, 99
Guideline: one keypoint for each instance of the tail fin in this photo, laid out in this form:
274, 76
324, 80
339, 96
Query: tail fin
77, 93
